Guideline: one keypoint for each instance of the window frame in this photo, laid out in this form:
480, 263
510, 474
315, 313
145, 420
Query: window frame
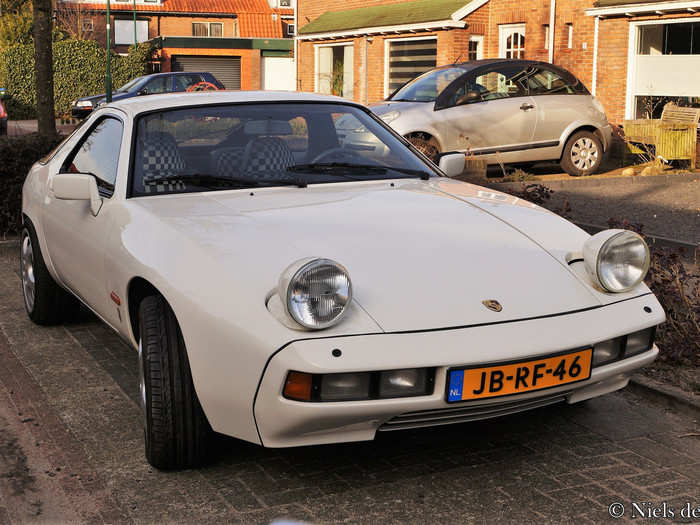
208, 26
106, 189
129, 194
317, 59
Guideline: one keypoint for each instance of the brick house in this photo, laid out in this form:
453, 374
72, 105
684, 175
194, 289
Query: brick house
244, 43
364, 49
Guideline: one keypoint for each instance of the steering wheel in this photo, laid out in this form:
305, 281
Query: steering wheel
341, 155
202, 86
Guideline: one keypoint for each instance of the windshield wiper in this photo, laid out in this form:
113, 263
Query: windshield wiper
215, 181
332, 167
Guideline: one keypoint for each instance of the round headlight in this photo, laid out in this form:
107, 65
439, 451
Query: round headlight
617, 259
316, 292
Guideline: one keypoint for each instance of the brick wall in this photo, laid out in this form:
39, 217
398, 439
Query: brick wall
182, 26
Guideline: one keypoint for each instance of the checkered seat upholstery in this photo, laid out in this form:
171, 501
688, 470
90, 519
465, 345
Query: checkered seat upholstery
267, 157
228, 161
161, 158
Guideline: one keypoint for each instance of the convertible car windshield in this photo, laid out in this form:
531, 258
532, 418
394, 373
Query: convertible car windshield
259, 145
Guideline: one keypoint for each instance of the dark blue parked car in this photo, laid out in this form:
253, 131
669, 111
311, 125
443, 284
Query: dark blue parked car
148, 85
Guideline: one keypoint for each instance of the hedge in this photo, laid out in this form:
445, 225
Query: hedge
79, 70
18, 154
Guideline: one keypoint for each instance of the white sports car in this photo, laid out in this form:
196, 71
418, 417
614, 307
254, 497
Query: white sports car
286, 287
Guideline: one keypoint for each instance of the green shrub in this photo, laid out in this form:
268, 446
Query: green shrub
17, 155
79, 70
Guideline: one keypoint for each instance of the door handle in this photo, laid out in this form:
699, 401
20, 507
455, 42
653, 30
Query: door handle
527, 107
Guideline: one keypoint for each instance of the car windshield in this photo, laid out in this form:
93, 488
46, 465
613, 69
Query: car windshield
428, 86
242, 146
129, 85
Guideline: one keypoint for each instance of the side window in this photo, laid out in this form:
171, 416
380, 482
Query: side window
503, 82
545, 82
98, 154
182, 82
159, 84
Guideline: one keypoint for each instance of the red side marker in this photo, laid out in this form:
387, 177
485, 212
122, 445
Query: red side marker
115, 298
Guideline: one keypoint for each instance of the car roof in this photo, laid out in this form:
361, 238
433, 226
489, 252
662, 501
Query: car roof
137, 105
473, 64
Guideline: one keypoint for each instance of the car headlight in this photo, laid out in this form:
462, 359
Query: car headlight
390, 117
84, 104
616, 259
316, 292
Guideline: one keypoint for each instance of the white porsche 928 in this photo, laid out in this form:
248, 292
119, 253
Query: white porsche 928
287, 287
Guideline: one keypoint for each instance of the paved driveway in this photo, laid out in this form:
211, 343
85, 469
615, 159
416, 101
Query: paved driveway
71, 451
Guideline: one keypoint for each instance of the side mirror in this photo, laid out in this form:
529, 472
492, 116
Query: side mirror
452, 164
142, 92
77, 187
469, 97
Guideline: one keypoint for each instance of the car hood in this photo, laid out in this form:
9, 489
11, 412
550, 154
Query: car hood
98, 99
421, 255
390, 105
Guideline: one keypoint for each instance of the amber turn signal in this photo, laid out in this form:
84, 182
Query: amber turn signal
298, 386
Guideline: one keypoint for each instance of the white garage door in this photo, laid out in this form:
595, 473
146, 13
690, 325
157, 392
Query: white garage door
278, 73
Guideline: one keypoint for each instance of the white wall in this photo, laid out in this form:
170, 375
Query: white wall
278, 73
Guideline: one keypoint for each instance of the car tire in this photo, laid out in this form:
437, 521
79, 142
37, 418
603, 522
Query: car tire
427, 145
176, 431
583, 154
45, 301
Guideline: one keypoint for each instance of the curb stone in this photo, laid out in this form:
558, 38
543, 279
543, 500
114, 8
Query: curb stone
9, 246
666, 395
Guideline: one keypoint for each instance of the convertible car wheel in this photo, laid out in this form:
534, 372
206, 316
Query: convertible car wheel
45, 301
582, 154
175, 427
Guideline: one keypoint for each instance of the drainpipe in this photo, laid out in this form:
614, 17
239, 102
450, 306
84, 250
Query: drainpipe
594, 80
296, 47
552, 19
365, 73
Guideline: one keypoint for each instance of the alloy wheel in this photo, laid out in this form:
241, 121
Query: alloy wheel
584, 154
27, 269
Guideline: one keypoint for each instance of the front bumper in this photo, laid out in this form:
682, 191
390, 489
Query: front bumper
284, 423
607, 135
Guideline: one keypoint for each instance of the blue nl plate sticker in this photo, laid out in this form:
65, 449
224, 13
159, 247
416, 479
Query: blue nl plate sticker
456, 385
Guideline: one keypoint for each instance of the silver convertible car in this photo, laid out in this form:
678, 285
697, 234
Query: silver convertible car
285, 288
506, 111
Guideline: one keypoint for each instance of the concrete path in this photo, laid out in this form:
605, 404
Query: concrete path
71, 451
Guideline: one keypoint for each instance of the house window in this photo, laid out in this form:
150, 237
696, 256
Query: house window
285, 3
670, 39
124, 32
206, 29
200, 29
546, 36
216, 29
476, 48
291, 30
407, 59
335, 70
570, 43
88, 24
512, 41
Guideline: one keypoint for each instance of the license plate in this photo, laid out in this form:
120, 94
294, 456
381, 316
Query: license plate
486, 381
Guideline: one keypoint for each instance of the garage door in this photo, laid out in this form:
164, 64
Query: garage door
226, 69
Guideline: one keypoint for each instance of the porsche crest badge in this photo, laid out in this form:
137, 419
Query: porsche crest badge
492, 305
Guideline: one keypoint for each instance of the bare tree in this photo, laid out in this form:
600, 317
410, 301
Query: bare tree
78, 21
43, 66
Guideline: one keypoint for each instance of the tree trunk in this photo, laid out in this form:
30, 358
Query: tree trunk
43, 66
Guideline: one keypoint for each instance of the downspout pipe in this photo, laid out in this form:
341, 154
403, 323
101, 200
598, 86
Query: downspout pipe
296, 46
594, 80
552, 20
